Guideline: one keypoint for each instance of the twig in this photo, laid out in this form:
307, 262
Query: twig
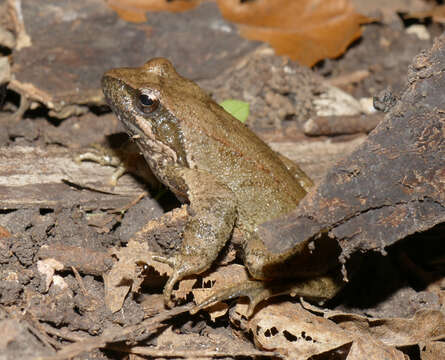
192, 354
132, 333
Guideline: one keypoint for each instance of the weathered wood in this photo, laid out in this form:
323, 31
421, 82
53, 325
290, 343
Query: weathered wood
33, 177
393, 185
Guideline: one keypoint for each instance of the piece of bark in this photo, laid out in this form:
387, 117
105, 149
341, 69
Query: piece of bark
341, 125
34, 177
392, 186
86, 261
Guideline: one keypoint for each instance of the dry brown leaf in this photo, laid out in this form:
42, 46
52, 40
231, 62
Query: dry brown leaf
306, 30
388, 10
220, 278
433, 350
366, 347
135, 10
437, 13
223, 277
126, 273
288, 328
424, 326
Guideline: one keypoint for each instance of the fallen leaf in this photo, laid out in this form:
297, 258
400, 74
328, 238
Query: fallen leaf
306, 30
424, 326
295, 331
127, 273
433, 350
437, 13
289, 329
135, 10
366, 347
223, 277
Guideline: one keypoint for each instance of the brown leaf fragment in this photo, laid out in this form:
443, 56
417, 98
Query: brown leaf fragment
165, 230
339, 125
304, 30
135, 10
222, 277
292, 331
425, 326
4, 232
127, 272
432, 350
437, 13
86, 261
366, 347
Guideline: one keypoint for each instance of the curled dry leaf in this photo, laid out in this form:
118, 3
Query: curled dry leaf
426, 325
292, 331
305, 30
366, 347
433, 350
126, 273
223, 277
220, 278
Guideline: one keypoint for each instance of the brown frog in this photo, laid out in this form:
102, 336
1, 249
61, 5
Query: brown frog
231, 179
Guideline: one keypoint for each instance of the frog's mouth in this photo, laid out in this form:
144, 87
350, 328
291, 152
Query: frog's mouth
133, 130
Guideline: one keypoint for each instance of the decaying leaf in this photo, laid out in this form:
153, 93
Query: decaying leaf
366, 347
424, 326
291, 330
127, 272
433, 350
437, 13
305, 30
221, 278
294, 331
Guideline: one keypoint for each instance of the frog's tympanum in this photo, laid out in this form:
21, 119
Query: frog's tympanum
231, 179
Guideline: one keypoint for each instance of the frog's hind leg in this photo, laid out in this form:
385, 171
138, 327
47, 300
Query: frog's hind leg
321, 287
304, 270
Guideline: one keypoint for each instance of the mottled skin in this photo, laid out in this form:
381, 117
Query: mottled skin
232, 180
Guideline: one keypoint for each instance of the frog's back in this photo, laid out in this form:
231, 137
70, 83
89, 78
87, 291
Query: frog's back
225, 147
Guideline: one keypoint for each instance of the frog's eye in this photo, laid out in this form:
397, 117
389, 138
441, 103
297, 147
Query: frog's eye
148, 103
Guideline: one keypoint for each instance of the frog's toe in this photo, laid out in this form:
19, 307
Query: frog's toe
181, 269
165, 260
168, 289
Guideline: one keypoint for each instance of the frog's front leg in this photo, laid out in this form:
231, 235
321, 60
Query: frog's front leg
126, 159
212, 214
105, 157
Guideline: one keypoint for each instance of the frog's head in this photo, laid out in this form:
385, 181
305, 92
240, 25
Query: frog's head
152, 102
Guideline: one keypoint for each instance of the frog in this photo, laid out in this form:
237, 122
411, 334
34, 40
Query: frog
231, 180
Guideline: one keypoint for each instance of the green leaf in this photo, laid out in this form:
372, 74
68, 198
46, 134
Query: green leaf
237, 108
